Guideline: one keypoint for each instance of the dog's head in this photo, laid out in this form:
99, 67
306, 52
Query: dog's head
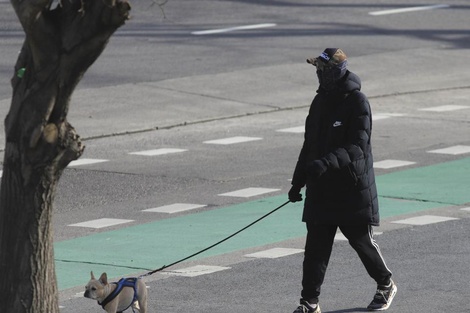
95, 289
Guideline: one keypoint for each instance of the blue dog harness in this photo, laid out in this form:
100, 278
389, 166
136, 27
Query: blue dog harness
123, 282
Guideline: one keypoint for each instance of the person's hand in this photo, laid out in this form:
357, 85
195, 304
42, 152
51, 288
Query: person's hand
316, 168
294, 194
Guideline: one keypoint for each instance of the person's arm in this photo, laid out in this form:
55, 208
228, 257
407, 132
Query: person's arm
357, 143
299, 178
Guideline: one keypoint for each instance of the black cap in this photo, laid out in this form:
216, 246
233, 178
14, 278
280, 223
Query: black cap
327, 55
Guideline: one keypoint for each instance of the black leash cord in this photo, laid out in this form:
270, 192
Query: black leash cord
215, 244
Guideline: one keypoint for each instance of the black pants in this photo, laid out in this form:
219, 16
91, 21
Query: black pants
318, 248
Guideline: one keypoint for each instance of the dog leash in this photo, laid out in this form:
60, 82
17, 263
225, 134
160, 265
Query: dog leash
215, 244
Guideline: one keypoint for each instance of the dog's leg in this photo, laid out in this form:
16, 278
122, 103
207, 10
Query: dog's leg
142, 305
142, 296
135, 307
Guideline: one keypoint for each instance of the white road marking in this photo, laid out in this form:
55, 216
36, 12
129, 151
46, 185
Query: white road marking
161, 151
274, 253
232, 29
197, 270
455, 150
232, 140
386, 164
248, 192
1, 173
424, 220
101, 223
410, 9
86, 162
174, 208
465, 209
297, 130
446, 108
382, 116
78, 295
341, 237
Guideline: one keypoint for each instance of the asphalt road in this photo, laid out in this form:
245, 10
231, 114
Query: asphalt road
160, 86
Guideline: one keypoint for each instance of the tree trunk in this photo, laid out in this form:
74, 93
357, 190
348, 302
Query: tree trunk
60, 45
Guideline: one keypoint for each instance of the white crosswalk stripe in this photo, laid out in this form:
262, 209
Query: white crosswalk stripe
248, 192
101, 223
424, 220
197, 270
232, 140
274, 253
175, 208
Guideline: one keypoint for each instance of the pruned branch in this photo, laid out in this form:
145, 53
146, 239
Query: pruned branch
61, 44
30, 11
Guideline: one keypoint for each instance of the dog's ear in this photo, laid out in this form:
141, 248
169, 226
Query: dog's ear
92, 275
104, 279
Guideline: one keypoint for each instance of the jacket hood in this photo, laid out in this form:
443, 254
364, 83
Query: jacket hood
349, 83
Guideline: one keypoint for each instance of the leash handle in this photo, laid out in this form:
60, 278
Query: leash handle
215, 244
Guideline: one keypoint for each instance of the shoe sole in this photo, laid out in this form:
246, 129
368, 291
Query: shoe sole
389, 302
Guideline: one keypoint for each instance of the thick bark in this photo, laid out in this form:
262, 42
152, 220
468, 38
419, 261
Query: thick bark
60, 45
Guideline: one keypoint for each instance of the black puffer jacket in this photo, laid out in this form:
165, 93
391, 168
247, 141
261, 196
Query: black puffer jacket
338, 132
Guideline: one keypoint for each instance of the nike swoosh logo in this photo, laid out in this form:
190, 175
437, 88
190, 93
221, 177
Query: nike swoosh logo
337, 124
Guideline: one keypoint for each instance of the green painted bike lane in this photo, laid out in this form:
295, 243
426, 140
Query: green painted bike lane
139, 248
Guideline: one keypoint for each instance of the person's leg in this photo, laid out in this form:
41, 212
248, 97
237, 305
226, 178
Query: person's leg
361, 239
318, 248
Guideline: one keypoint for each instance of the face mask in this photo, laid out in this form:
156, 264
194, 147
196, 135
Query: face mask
329, 75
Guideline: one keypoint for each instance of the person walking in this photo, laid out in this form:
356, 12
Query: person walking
336, 166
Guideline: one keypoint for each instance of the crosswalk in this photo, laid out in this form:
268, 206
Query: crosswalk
242, 193
255, 191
